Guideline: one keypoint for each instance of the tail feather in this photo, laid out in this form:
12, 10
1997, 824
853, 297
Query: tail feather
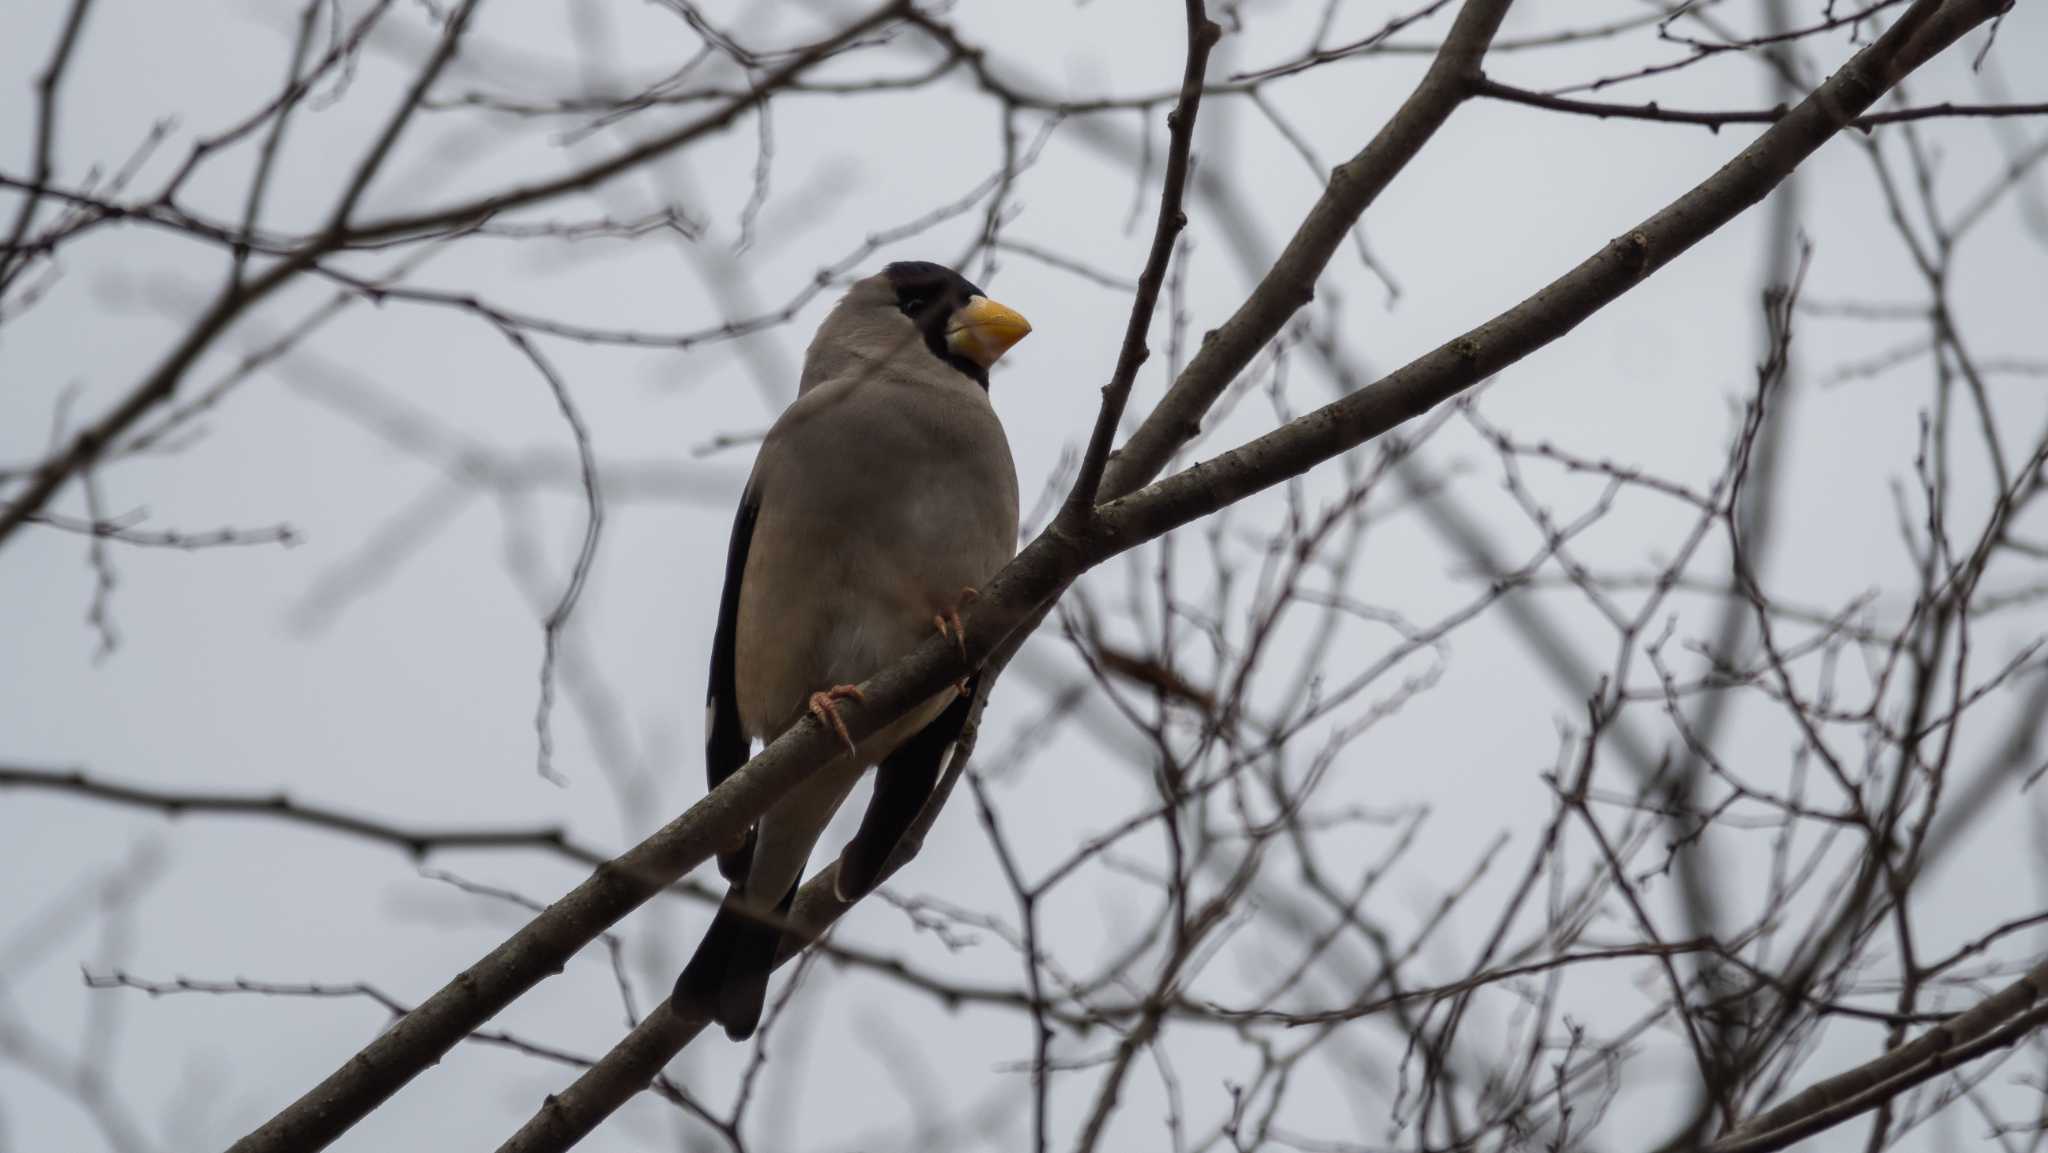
727, 978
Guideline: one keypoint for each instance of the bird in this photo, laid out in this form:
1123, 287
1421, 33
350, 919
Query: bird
880, 501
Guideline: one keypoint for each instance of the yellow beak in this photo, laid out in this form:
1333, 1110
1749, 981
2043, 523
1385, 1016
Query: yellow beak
982, 330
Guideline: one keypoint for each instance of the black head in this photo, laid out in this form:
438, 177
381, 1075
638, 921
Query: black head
929, 294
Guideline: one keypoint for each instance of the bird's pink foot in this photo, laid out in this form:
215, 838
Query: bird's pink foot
948, 622
949, 626
824, 707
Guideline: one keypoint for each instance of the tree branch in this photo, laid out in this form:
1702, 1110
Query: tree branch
1290, 283
638, 1058
1180, 124
2000, 1020
14, 255
1925, 29
1714, 120
419, 841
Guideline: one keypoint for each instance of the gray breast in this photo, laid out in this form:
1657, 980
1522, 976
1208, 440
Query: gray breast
881, 497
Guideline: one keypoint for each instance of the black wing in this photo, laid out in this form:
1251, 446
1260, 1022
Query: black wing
725, 742
903, 783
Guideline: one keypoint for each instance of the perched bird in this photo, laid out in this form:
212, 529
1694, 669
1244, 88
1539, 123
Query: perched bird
881, 499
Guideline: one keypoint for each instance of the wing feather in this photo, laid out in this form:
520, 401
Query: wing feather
726, 744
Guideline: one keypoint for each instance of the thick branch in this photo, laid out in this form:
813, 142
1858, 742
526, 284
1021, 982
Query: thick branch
637, 1059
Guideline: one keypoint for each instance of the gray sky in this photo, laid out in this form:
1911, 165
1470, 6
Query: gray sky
401, 682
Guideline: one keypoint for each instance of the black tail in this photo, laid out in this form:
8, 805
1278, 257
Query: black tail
727, 978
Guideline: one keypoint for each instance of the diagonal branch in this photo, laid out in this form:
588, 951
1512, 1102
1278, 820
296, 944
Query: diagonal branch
638, 1058
1290, 283
1925, 29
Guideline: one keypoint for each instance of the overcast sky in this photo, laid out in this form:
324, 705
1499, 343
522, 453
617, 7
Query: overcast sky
389, 663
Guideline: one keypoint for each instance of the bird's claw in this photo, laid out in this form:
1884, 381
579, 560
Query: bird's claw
824, 707
950, 628
948, 622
